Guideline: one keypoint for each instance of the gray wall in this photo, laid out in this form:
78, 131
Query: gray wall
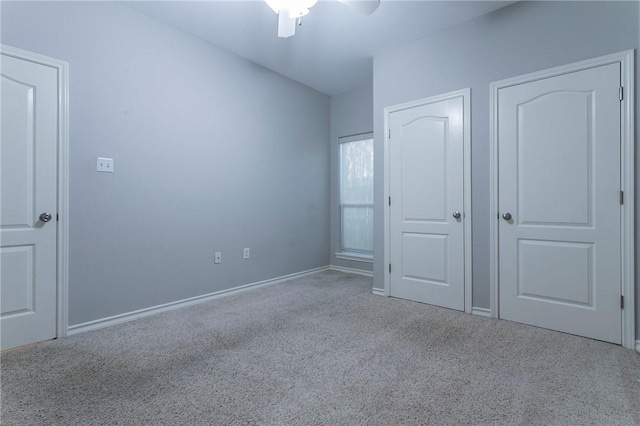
522, 38
351, 114
212, 153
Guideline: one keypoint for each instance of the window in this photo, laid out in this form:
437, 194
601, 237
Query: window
356, 197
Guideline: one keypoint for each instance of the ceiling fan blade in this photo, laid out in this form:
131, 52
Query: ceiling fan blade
366, 7
286, 24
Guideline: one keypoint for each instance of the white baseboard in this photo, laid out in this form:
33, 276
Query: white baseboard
483, 312
141, 313
350, 270
638, 345
378, 292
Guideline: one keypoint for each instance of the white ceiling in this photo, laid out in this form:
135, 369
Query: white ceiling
332, 51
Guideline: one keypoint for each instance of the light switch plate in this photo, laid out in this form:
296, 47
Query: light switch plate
104, 165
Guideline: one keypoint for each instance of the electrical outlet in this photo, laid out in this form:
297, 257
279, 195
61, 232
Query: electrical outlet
246, 253
218, 257
104, 164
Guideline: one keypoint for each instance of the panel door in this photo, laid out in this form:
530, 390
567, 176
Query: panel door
426, 187
559, 179
28, 144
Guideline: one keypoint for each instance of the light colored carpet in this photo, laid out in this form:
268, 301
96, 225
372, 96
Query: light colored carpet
320, 350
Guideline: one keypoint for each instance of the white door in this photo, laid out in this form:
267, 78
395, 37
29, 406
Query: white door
559, 180
29, 94
426, 185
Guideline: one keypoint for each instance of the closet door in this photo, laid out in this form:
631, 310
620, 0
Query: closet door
29, 139
426, 183
559, 202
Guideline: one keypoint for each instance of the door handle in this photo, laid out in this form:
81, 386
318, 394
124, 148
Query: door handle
506, 216
457, 215
45, 217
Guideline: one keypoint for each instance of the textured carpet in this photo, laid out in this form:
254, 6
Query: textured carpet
320, 350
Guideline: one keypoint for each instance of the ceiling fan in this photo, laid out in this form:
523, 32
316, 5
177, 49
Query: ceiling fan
291, 11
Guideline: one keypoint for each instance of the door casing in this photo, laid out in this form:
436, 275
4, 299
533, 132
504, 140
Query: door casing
627, 125
62, 229
466, 218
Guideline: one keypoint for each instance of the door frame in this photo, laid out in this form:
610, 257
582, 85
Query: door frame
62, 228
627, 172
465, 94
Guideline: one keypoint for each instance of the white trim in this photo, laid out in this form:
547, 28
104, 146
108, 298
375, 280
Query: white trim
350, 270
626, 59
468, 235
378, 291
365, 258
62, 278
493, 201
627, 165
482, 312
467, 211
357, 137
141, 313
386, 215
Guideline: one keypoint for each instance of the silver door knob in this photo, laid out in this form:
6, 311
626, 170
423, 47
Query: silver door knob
506, 216
45, 217
456, 215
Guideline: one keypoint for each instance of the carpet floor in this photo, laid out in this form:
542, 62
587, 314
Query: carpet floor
320, 350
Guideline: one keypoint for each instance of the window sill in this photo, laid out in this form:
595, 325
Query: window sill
366, 258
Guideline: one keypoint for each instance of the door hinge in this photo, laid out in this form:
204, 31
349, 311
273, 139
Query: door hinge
621, 302
389, 268
389, 134
389, 200
57, 217
620, 93
621, 197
